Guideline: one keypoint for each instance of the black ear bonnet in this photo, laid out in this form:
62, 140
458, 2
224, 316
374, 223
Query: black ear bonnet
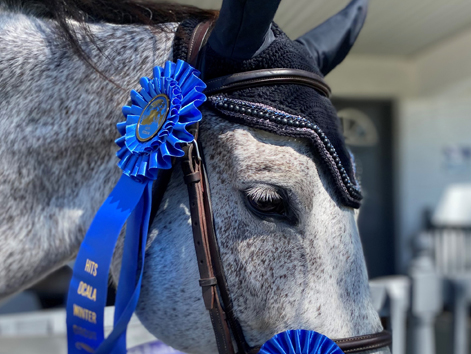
285, 109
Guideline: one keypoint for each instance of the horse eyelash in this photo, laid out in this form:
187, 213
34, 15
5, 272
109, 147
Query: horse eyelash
263, 194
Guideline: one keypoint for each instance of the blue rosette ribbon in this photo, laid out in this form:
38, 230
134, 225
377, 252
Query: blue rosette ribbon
300, 341
153, 133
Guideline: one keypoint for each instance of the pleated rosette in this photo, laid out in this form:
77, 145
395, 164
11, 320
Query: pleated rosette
176, 91
300, 342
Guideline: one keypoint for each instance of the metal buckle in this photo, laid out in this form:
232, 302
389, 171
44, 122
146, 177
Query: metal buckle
195, 143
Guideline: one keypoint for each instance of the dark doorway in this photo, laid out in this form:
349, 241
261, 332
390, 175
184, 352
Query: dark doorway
367, 126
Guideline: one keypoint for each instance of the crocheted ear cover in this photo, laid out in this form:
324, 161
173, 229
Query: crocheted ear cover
287, 110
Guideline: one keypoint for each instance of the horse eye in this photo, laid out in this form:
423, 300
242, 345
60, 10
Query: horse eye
266, 205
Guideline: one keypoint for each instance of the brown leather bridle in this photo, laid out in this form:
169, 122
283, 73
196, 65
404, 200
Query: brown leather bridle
212, 277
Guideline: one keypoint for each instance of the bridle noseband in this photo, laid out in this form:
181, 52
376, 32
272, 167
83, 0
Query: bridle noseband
212, 277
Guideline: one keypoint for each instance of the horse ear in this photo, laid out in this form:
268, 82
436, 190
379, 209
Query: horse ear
243, 28
330, 42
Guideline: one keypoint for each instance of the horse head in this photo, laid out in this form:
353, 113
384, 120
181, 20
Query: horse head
284, 194
283, 187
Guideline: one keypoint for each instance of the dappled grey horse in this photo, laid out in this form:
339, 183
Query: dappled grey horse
284, 193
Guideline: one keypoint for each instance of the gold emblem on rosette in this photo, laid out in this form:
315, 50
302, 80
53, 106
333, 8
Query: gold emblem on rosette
152, 118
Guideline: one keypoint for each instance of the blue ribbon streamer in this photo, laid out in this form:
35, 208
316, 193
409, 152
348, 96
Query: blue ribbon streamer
88, 287
128, 290
129, 267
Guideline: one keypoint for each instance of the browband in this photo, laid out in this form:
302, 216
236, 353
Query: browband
265, 77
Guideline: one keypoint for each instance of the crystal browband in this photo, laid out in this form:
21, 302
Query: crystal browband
272, 115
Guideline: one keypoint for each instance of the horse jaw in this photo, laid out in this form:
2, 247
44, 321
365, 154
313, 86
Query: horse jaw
310, 275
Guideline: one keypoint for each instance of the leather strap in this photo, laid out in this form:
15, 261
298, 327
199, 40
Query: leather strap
266, 77
192, 169
194, 176
364, 343
218, 267
198, 39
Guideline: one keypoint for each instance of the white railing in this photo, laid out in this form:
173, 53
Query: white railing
452, 258
452, 250
395, 292
45, 332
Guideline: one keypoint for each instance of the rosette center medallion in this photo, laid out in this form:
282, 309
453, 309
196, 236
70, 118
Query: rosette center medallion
152, 118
